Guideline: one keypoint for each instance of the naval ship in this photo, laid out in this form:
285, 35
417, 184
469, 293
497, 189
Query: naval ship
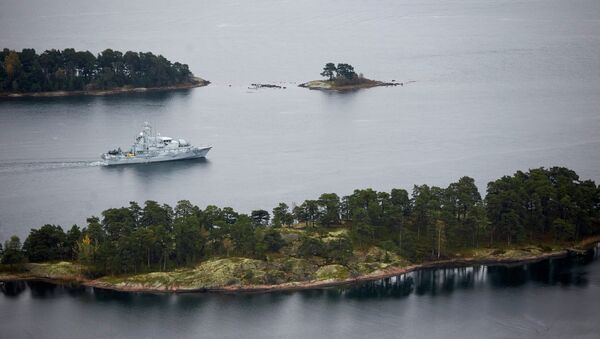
152, 147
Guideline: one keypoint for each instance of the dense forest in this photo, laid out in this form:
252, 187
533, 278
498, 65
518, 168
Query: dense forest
70, 70
536, 207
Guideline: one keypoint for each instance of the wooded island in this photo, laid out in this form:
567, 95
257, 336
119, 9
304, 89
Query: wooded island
367, 234
69, 72
343, 78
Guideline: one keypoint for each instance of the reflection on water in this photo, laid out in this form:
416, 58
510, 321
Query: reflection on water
123, 98
147, 174
12, 288
159, 167
570, 271
143, 169
37, 166
563, 271
145, 97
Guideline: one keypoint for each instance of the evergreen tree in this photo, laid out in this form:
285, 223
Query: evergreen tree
13, 254
282, 216
329, 70
47, 243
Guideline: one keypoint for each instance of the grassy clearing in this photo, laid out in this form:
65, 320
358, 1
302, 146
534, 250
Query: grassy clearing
55, 270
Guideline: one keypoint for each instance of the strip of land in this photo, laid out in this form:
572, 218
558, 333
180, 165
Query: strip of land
367, 235
234, 275
194, 82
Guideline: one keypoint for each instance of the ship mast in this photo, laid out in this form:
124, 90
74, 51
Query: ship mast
147, 135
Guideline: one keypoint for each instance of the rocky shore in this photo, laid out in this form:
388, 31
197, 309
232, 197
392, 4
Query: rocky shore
232, 275
195, 82
328, 85
259, 86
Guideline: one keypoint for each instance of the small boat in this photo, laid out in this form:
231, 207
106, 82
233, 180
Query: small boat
152, 147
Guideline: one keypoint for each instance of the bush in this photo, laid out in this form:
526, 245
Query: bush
389, 245
273, 240
338, 250
311, 247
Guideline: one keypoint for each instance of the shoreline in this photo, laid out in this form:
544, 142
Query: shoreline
327, 85
313, 284
196, 82
392, 272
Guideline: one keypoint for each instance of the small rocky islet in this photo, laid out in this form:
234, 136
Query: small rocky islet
343, 78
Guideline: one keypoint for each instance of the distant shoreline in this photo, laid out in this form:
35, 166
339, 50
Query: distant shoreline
312, 284
195, 82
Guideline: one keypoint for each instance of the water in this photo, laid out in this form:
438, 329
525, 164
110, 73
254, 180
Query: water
500, 86
550, 299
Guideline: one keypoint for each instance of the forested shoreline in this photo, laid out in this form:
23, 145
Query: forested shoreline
70, 71
539, 207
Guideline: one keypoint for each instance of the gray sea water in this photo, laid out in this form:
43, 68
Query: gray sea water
498, 86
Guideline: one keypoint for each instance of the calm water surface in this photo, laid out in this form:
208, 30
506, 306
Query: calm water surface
499, 86
550, 299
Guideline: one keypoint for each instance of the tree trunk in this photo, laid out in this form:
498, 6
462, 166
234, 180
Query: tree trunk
400, 241
439, 241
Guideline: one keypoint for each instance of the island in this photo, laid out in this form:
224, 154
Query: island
367, 235
56, 73
343, 78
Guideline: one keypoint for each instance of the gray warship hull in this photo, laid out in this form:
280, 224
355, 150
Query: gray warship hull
164, 155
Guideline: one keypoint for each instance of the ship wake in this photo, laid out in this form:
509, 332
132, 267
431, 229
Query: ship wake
34, 166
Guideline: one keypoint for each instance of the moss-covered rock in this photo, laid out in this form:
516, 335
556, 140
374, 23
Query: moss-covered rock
317, 84
209, 274
371, 267
333, 272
